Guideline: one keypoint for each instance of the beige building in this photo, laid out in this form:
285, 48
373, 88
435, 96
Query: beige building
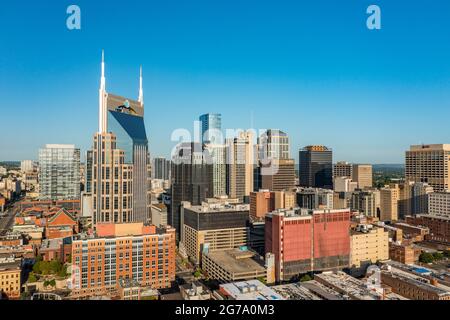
280, 176
112, 181
213, 226
240, 161
365, 202
10, 280
233, 265
389, 198
362, 175
342, 169
368, 244
430, 164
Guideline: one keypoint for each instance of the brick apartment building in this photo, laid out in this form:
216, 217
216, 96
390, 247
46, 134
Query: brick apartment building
130, 251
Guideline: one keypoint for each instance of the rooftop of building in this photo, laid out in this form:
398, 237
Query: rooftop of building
430, 147
249, 290
217, 207
409, 277
237, 260
302, 213
159, 206
296, 291
10, 263
195, 288
51, 244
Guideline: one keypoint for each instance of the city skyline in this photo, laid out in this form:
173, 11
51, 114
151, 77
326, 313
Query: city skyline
327, 80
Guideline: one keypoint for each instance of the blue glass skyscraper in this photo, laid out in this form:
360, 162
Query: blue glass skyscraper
211, 128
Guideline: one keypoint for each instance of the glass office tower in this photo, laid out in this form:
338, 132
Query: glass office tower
211, 128
59, 172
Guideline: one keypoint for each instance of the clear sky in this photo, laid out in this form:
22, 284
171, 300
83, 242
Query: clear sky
310, 68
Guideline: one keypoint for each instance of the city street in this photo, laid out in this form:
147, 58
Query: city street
7, 220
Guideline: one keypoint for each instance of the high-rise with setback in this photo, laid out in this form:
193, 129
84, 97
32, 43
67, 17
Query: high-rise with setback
120, 159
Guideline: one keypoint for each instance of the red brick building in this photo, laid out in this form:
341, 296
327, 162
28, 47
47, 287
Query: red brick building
308, 240
129, 251
61, 225
439, 227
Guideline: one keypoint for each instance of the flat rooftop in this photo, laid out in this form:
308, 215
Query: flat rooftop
250, 290
236, 260
296, 291
217, 208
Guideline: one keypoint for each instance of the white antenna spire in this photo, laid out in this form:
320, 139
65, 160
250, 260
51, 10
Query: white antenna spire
102, 99
102, 79
141, 90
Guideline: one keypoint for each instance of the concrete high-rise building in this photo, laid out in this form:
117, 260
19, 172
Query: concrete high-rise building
211, 128
307, 240
342, 169
27, 166
88, 172
265, 201
365, 201
274, 144
240, 165
59, 172
439, 204
218, 154
161, 168
344, 184
120, 159
315, 198
316, 167
191, 180
430, 164
389, 197
362, 175
279, 176
213, 226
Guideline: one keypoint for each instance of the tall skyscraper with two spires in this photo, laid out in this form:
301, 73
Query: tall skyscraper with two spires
120, 159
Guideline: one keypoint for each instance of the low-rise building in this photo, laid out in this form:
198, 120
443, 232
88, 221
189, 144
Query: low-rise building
368, 244
413, 286
10, 277
246, 290
233, 265
403, 252
195, 291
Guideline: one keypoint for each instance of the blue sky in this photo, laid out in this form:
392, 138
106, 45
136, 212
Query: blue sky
310, 68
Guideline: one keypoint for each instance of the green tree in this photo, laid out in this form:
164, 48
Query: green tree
426, 257
32, 277
261, 279
305, 278
438, 256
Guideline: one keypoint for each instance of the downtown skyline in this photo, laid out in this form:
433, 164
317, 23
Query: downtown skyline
364, 99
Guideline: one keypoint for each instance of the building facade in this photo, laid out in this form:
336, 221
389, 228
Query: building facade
307, 240
362, 175
191, 181
59, 172
211, 125
210, 227
131, 251
161, 168
316, 167
430, 164
120, 159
